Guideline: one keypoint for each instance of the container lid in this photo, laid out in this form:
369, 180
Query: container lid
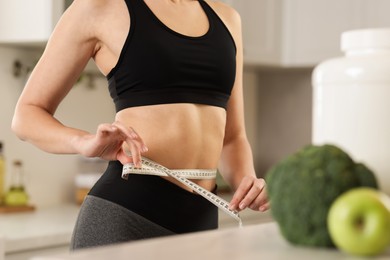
365, 39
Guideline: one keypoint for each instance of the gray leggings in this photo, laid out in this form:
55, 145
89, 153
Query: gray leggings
102, 222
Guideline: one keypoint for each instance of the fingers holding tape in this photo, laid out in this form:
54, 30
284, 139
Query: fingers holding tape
250, 193
135, 144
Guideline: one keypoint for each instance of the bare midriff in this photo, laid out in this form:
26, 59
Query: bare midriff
179, 136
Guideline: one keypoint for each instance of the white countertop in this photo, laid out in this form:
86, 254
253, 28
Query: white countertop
53, 226
41, 228
260, 241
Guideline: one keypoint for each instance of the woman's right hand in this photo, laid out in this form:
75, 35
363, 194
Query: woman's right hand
108, 143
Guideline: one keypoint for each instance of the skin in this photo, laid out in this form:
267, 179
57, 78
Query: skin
194, 136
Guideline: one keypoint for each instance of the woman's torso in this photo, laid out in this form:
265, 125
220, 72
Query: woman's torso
178, 136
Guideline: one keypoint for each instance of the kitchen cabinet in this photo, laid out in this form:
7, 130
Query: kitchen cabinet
29, 23
302, 33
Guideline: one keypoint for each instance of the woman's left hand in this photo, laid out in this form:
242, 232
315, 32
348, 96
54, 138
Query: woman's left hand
251, 193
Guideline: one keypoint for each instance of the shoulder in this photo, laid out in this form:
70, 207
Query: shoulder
230, 17
90, 20
87, 15
227, 13
89, 7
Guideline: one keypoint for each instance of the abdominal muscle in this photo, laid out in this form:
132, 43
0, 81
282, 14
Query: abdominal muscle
179, 136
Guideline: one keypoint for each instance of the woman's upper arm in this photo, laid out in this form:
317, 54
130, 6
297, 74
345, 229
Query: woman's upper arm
235, 125
68, 50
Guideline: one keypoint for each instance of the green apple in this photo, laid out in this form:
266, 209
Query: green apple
359, 221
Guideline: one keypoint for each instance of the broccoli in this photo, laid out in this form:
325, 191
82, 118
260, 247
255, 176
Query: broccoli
303, 186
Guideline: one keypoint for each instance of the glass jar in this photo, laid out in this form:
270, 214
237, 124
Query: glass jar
2, 173
16, 194
351, 105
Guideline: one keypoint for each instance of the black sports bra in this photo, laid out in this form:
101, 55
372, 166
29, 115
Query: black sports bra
160, 66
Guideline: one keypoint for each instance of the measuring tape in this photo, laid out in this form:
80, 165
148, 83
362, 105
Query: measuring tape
151, 168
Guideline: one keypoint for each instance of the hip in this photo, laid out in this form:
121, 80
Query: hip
157, 199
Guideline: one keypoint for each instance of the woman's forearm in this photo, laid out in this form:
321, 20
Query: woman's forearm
37, 126
236, 161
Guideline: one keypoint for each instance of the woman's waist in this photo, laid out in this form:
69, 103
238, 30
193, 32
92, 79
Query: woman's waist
201, 176
151, 167
178, 136
204, 177
179, 156
179, 149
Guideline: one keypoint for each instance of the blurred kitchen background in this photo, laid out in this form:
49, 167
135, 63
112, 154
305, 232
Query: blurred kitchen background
283, 41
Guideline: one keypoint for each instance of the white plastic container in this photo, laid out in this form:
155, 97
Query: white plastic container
351, 100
